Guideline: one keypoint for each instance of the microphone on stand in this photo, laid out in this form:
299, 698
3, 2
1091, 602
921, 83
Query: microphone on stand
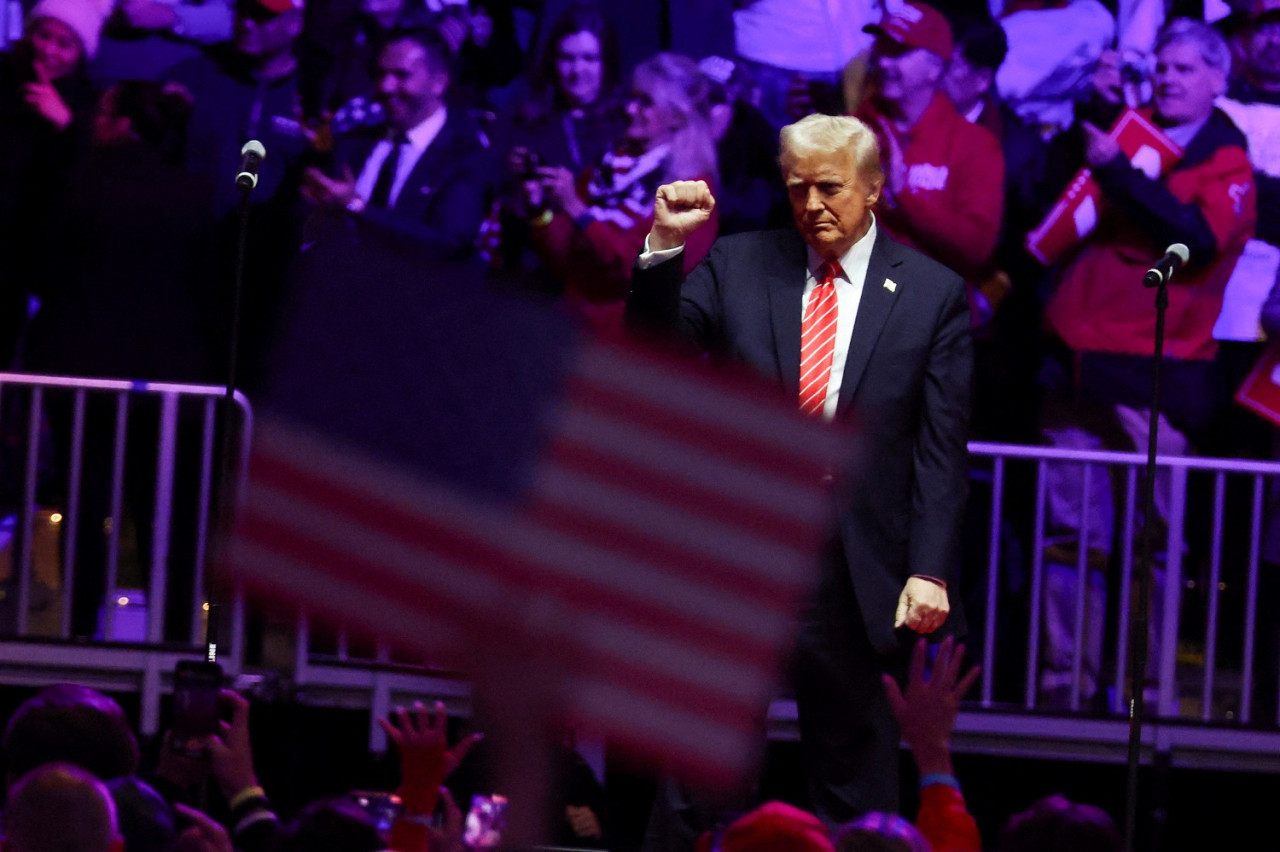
252, 155
1174, 256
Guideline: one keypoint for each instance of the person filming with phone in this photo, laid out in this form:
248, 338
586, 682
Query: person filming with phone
569, 118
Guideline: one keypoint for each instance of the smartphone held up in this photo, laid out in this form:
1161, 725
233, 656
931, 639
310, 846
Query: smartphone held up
197, 700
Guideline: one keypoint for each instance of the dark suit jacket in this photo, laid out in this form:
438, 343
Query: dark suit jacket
906, 383
443, 201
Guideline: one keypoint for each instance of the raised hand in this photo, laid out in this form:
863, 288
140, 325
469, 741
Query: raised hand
679, 209
926, 711
425, 756
42, 97
231, 754
1099, 147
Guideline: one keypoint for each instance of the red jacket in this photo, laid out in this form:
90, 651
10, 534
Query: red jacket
952, 198
1207, 201
945, 821
595, 262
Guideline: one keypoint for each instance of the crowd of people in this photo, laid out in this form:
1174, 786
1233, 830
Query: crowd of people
75, 781
521, 145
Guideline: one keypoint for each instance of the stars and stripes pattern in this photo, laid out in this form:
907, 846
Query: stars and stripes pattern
818, 340
652, 565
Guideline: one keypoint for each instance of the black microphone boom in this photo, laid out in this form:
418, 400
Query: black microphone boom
252, 155
1174, 256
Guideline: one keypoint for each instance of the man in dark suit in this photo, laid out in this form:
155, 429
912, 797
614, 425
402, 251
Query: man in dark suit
883, 334
420, 174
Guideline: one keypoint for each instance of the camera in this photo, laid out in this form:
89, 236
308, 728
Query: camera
529, 165
1135, 78
1133, 72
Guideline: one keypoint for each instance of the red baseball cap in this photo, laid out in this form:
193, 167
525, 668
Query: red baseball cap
776, 827
916, 25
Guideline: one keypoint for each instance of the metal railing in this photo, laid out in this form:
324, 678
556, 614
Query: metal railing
44, 477
1215, 636
1210, 656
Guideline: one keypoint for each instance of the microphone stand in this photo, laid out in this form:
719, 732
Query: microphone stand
1142, 605
226, 477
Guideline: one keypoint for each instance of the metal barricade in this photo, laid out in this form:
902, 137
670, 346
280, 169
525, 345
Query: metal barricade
1204, 660
1213, 652
43, 476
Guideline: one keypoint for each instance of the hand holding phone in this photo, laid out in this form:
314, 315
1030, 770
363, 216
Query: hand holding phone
197, 695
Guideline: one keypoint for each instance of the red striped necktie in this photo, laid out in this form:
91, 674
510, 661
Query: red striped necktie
818, 340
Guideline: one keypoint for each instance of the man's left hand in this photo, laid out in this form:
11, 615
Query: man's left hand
922, 606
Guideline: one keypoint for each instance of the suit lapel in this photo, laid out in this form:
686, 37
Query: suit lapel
873, 309
785, 276
426, 172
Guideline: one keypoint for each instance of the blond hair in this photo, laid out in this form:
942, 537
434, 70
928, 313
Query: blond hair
675, 83
819, 133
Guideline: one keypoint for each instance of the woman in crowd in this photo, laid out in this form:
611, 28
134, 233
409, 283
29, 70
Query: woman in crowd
588, 229
569, 118
45, 100
571, 115
126, 291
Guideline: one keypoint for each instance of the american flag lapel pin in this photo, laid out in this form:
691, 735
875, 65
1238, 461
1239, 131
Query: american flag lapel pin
891, 285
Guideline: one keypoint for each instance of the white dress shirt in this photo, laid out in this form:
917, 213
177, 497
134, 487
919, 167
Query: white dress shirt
849, 285
420, 138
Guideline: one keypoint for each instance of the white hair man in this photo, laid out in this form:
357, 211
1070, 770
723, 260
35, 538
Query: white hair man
853, 326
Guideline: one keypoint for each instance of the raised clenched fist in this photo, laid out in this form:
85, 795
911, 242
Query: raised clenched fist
679, 209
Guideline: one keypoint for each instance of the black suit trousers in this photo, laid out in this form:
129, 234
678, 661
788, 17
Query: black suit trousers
848, 735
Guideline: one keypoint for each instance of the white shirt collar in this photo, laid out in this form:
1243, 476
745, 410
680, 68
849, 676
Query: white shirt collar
857, 257
1182, 134
424, 132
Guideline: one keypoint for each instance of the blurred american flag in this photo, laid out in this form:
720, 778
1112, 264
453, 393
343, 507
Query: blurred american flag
641, 528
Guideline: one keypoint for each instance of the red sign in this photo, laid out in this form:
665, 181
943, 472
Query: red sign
1261, 390
1075, 214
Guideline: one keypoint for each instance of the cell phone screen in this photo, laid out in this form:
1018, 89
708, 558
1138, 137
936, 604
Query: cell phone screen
197, 688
